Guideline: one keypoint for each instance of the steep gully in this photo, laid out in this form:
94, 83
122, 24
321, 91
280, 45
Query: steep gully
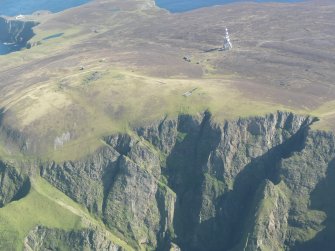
249, 184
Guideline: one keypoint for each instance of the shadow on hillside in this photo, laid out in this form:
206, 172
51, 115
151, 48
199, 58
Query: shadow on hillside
2, 113
14, 185
233, 208
260, 169
323, 199
184, 169
236, 206
23, 191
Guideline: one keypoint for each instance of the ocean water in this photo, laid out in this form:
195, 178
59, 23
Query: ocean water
187, 5
4, 49
24, 7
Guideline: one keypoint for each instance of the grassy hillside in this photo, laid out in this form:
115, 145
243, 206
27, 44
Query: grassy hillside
90, 107
45, 206
109, 71
19, 217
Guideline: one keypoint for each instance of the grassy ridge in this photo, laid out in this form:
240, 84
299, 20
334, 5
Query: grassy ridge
101, 100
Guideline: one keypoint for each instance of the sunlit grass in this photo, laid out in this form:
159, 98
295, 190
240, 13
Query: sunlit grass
46, 206
19, 217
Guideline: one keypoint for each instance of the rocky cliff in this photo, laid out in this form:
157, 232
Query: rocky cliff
16, 32
259, 183
13, 185
42, 238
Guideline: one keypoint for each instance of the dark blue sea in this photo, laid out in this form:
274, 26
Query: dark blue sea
187, 5
4, 49
24, 7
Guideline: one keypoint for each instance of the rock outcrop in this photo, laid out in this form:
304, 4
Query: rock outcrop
13, 185
193, 184
42, 238
16, 32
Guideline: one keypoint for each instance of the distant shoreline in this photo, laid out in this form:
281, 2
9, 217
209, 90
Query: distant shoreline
178, 6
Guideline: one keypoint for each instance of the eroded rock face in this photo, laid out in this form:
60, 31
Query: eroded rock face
42, 238
16, 32
192, 184
268, 222
13, 185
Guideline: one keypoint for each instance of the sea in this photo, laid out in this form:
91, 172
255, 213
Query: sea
176, 6
26, 7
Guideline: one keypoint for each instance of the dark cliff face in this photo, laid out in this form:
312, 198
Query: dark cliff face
16, 32
254, 184
42, 238
13, 185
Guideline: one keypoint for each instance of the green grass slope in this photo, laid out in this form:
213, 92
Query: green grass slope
19, 217
46, 206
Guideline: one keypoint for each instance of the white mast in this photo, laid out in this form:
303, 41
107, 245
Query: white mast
227, 45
